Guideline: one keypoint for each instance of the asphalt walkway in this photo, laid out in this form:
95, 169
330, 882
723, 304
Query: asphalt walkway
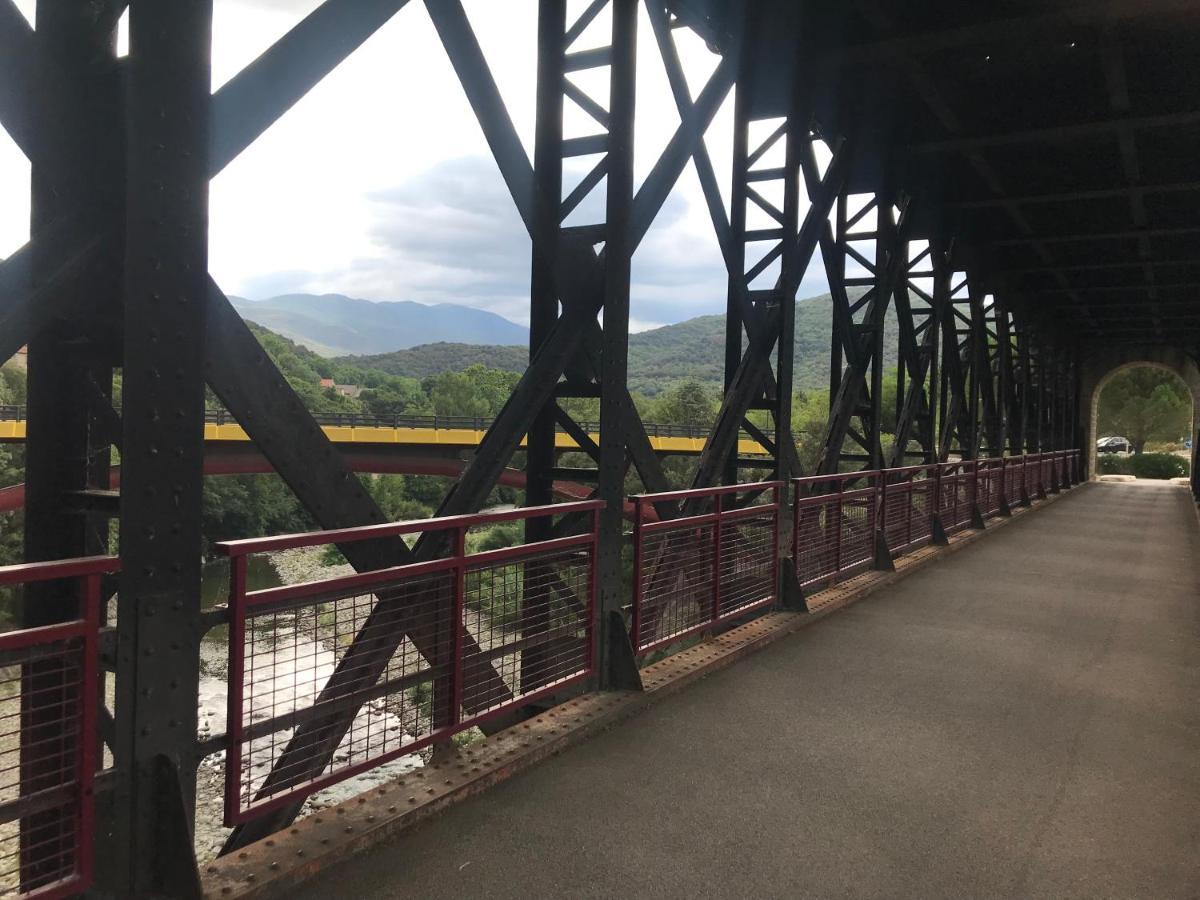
1020, 720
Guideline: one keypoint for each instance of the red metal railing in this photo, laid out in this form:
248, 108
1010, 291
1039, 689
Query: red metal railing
476, 634
49, 695
833, 531
956, 493
1066, 468
908, 505
1014, 480
699, 569
989, 485
1047, 472
1033, 475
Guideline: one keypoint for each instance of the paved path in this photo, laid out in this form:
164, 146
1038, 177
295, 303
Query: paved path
1021, 720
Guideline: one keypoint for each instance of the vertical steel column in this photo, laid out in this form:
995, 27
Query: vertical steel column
76, 178
763, 318
859, 393
737, 246
944, 323
960, 419
1037, 433
835, 273
547, 157
919, 323
618, 250
1005, 391
540, 456
889, 262
985, 428
1025, 386
166, 266
791, 271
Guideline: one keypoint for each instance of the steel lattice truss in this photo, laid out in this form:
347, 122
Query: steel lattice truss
1007, 228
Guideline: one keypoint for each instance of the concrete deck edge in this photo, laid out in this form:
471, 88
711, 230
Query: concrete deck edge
321, 840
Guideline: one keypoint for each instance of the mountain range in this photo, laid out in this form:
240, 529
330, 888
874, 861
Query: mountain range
689, 350
335, 325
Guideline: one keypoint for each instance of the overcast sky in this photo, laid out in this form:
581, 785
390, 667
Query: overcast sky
378, 184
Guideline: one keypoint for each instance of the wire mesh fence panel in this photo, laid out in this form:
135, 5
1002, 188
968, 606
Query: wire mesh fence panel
1033, 475
677, 581
834, 526
989, 485
957, 495
529, 614
717, 560
816, 540
49, 698
40, 739
338, 676
749, 557
907, 508
299, 673
858, 531
1014, 480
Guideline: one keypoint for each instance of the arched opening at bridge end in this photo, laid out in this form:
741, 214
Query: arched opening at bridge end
1099, 371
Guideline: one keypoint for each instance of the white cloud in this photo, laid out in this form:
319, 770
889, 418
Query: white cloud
379, 183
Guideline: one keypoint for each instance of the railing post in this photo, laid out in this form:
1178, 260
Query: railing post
937, 527
977, 521
459, 624
777, 499
883, 555
716, 558
837, 526
92, 696
908, 516
590, 617
639, 513
1005, 509
237, 684
791, 594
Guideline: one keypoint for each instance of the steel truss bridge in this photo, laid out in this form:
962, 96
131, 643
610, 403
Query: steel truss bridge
1016, 182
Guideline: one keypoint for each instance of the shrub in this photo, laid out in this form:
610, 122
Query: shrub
1110, 464
1158, 465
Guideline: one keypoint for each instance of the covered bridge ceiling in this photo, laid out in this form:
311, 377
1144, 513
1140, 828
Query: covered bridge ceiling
1060, 141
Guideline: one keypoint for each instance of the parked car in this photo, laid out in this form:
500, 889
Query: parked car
1114, 445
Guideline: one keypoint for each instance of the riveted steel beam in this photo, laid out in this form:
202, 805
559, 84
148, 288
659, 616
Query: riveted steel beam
163, 438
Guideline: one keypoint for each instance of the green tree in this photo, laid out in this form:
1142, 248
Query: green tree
454, 394
395, 396
1144, 404
687, 403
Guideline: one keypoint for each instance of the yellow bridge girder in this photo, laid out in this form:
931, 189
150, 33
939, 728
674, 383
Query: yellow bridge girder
13, 431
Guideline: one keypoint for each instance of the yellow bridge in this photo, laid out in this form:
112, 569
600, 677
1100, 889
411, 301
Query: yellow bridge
448, 432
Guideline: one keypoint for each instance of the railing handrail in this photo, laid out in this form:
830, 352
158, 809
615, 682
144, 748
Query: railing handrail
928, 468
718, 490
55, 569
395, 529
836, 476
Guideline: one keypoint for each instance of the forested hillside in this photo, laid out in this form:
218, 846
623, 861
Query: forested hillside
693, 350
